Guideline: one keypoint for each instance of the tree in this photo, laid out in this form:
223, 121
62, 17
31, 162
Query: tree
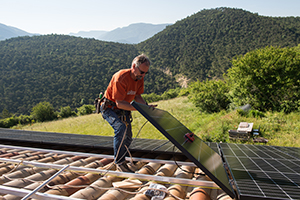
5, 114
66, 112
85, 110
210, 95
43, 111
267, 79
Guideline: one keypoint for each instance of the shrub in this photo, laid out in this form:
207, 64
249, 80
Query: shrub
149, 98
66, 112
241, 112
267, 78
43, 111
85, 110
25, 119
8, 122
250, 113
256, 114
209, 96
170, 94
12, 121
183, 92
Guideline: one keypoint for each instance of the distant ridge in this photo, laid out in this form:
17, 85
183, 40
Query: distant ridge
7, 32
89, 34
132, 34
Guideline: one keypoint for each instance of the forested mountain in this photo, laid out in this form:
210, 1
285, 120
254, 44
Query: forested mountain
202, 45
64, 70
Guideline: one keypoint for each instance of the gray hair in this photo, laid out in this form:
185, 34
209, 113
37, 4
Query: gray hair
140, 60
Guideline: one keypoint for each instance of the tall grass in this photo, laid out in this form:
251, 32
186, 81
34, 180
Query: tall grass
279, 128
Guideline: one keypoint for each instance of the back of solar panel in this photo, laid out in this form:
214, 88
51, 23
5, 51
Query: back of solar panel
209, 161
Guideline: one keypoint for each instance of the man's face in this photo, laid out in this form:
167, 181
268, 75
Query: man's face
140, 71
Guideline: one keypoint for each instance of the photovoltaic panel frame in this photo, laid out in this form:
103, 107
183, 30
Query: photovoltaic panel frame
208, 160
263, 172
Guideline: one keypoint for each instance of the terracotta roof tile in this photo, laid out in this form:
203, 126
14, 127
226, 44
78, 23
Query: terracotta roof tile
86, 185
91, 174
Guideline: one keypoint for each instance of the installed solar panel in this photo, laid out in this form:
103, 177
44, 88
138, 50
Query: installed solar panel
293, 151
263, 172
197, 151
84, 141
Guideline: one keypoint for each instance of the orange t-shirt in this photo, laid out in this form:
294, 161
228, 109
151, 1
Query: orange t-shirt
123, 87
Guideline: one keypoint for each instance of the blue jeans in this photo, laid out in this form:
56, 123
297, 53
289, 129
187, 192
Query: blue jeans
120, 129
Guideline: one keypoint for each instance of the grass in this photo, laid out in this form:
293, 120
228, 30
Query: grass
279, 128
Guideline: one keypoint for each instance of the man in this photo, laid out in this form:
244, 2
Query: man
125, 86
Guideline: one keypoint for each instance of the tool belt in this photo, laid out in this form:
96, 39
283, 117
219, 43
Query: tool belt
106, 103
97, 104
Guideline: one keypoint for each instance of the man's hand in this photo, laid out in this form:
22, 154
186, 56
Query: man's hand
152, 106
139, 99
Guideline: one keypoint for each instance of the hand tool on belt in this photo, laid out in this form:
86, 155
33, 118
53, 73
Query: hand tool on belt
112, 105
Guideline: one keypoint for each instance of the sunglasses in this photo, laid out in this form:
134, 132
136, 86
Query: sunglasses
142, 72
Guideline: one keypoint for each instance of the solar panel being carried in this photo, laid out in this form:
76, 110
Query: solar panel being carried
258, 172
209, 161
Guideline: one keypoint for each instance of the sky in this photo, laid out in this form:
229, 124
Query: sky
72, 16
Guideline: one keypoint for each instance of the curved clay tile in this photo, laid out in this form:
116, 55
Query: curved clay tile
8, 167
95, 190
180, 190
199, 194
8, 155
68, 189
128, 185
91, 186
164, 170
40, 175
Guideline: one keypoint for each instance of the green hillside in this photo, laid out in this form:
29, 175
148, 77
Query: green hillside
63, 70
202, 45
68, 71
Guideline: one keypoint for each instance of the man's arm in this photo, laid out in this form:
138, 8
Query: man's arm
127, 106
124, 105
139, 99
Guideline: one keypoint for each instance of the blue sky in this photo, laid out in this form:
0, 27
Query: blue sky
66, 16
